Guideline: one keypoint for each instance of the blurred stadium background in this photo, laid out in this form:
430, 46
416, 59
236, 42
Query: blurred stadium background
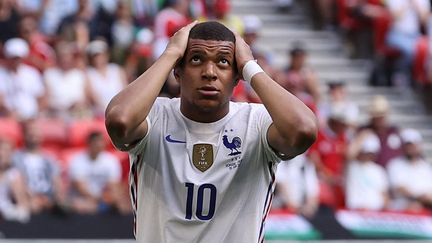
363, 66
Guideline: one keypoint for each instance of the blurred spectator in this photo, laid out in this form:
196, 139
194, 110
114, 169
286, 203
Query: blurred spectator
21, 90
409, 16
252, 26
174, 16
41, 55
95, 179
144, 11
252, 29
84, 25
109, 6
323, 14
220, 10
337, 97
123, 32
41, 172
410, 175
14, 203
366, 182
357, 18
9, 19
139, 58
297, 186
388, 134
328, 155
49, 13
106, 79
283, 5
67, 86
300, 79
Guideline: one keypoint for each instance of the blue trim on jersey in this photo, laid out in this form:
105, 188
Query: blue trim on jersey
133, 184
268, 201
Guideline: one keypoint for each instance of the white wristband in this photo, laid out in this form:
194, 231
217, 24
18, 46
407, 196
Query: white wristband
250, 69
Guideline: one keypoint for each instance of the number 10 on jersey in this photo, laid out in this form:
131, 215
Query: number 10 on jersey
204, 189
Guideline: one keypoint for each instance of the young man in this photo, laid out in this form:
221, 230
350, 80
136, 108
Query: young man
203, 167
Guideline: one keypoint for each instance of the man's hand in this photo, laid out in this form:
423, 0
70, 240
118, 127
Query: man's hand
178, 42
243, 53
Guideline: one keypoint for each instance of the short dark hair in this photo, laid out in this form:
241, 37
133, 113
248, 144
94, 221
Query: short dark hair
93, 135
211, 30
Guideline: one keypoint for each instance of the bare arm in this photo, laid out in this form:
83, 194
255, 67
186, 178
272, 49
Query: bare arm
83, 190
294, 127
19, 192
125, 115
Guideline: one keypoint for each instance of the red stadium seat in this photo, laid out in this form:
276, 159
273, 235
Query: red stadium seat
80, 129
54, 132
10, 129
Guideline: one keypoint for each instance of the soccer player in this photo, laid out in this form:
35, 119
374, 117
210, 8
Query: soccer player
202, 167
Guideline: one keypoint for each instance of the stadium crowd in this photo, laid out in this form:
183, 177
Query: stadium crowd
62, 62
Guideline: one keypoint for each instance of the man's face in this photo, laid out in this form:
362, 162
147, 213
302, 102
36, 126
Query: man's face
207, 77
411, 150
96, 146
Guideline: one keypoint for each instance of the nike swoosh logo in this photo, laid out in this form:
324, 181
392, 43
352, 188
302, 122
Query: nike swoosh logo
170, 140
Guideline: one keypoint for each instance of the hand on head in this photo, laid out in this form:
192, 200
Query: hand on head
243, 52
178, 42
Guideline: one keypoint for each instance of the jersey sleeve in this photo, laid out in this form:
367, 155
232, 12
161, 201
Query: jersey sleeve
263, 124
151, 119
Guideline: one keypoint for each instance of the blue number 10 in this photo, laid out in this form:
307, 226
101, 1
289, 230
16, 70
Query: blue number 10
200, 200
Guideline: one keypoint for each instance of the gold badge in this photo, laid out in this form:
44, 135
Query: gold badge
202, 156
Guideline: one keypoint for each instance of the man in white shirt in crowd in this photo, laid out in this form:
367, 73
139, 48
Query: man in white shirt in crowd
21, 88
297, 186
410, 175
95, 176
366, 181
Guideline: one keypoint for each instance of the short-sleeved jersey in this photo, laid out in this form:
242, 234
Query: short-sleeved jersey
203, 182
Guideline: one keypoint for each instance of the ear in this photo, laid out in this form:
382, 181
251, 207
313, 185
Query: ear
236, 80
237, 76
177, 72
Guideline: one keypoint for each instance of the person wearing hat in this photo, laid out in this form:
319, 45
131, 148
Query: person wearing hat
337, 96
388, 134
410, 175
366, 182
328, 155
106, 79
21, 88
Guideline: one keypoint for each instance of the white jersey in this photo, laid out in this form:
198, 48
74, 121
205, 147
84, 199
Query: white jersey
203, 182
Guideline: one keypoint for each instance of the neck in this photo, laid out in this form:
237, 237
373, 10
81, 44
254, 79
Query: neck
203, 115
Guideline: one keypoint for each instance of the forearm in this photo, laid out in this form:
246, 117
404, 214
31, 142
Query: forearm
129, 109
291, 117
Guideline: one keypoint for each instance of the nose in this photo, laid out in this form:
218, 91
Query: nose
209, 72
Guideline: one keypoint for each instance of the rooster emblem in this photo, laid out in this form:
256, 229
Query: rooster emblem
234, 145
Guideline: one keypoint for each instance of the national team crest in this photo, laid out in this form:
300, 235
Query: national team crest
233, 145
202, 156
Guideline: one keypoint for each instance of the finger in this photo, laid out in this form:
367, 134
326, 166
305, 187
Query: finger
189, 26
